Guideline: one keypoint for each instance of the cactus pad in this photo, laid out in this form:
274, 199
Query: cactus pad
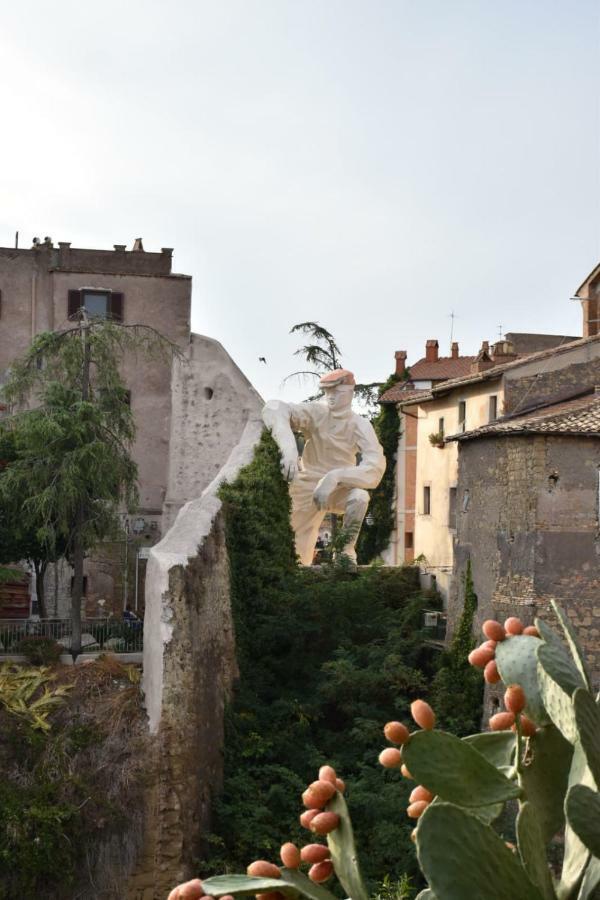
498, 747
560, 667
546, 776
343, 851
576, 854
532, 850
517, 664
556, 701
583, 812
455, 771
572, 642
463, 858
587, 717
292, 883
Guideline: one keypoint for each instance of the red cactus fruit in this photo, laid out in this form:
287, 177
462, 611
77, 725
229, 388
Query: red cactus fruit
325, 822
423, 714
290, 855
340, 785
322, 791
528, 728
514, 698
513, 625
327, 773
191, 890
405, 772
307, 817
532, 630
396, 732
491, 673
493, 630
312, 800
320, 872
417, 809
263, 869
502, 721
315, 853
481, 656
420, 793
390, 758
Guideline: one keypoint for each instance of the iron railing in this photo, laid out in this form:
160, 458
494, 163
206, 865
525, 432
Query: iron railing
97, 635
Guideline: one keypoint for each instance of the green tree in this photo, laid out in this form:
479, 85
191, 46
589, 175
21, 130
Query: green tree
72, 429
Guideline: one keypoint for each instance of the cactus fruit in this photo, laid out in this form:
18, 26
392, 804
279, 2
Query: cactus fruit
324, 822
340, 785
491, 673
493, 630
528, 728
314, 853
327, 773
290, 855
396, 732
263, 869
513, 625
321, 872
502, 721
307, 817
390, 758
514, 698
423, 714
481, 656
405, 772
322, 790
532, 630
420, 793
417, 809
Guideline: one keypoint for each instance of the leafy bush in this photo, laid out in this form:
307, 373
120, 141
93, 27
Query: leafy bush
40, 650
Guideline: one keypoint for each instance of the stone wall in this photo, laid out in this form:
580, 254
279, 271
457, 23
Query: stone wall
531, 530
567, 376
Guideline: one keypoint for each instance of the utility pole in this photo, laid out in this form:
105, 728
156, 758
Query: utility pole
78, 546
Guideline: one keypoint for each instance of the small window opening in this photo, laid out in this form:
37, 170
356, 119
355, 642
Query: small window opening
427, 500
462, 415
493, 412
208, 393
408, 540
441, 427
452, 507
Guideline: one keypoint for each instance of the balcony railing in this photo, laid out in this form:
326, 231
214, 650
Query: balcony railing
97, 635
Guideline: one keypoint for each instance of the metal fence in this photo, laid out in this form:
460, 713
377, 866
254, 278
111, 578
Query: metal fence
97, 635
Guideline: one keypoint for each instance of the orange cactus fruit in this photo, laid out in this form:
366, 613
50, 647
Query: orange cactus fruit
325, 822
417, 809
340, 785
315, 853
290, 855
513, 625
491, 673
226, 897
514, 698
327, 773
321, 872
191, 890
528, 728
413, 835
420, 793
307, 817
322, 791
502, 721
532, 630
396, 732
493, 630
481, 656
311, 800
405, 772
390, 758
263, 869
423, 714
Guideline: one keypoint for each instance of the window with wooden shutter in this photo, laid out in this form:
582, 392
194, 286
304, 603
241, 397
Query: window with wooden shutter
74, 303
116, 306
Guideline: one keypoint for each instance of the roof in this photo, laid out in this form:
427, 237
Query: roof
595, 271
441, 369
580, 415
400, 393
530, 342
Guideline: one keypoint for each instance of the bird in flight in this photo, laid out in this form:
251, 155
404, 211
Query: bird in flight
262, 359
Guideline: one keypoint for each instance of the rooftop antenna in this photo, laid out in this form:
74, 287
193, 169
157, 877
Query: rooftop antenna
16, 240
452, 317
500, 331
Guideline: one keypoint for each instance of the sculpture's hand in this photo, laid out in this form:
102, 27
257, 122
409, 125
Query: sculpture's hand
324, 489
289, 466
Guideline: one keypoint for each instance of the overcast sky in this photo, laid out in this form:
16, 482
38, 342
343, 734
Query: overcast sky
373, 165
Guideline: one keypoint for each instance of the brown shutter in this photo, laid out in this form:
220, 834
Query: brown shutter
74, 303
116, 306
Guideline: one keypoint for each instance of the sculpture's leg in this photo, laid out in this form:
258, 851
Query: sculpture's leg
306, 521
356, 508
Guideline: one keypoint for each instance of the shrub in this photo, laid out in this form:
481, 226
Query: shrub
40, 650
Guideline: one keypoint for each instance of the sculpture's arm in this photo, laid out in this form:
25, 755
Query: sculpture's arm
367, 474
278, 417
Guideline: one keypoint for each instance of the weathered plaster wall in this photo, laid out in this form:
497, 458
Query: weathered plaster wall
531, 530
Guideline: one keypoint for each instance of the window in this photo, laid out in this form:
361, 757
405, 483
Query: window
97, 303
441, 427
408, 540
462, 415
452, 508
427, 500
493, 414
466, 500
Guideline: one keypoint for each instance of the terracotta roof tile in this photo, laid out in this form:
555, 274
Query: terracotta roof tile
400, 393
577, 416
443, 368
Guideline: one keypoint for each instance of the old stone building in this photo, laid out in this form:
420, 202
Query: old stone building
188, 415
529, 517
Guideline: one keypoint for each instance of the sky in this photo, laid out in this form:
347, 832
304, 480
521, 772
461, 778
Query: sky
375, 165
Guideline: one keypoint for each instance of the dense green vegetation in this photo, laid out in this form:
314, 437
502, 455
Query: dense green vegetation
325, 657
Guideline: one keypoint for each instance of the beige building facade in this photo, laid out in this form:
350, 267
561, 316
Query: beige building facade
188, 415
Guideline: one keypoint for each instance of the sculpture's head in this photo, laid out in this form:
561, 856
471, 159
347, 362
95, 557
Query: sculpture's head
338, 387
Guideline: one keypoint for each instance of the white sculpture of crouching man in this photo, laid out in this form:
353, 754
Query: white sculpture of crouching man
327, 479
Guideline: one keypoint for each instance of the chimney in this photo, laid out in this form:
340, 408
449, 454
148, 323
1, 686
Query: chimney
431, 351
138, 246
454, 350
483, 360
64, 253
503, 352
400, 361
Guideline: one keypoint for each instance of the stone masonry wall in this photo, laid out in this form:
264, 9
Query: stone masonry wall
199, 670
521, 391
531, 531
